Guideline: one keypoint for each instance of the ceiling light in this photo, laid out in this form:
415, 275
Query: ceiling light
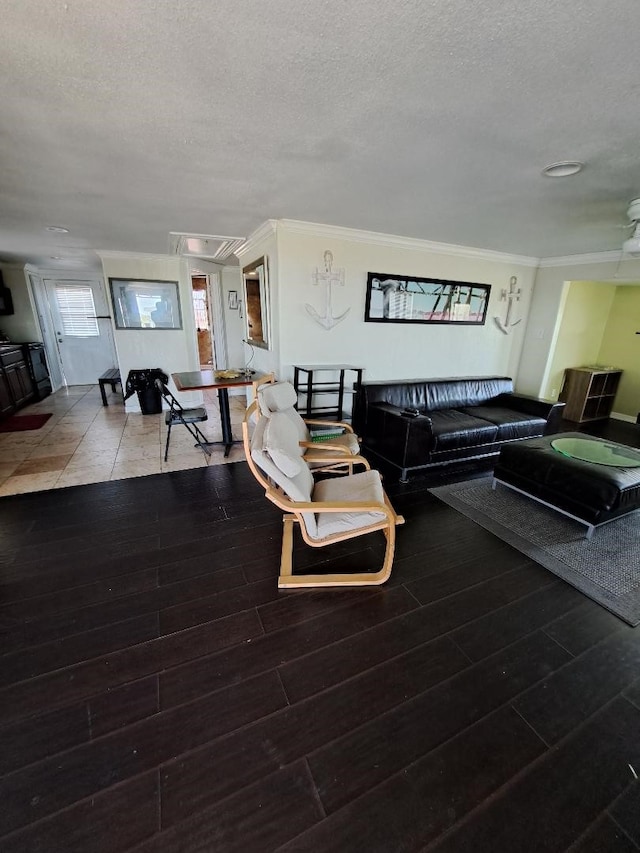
563, 169
58, 229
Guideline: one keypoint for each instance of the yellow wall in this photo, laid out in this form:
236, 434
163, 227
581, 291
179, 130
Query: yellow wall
620, 347
581, 331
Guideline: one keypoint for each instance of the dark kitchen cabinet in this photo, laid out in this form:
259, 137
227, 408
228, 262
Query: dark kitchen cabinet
7, 404
16, 385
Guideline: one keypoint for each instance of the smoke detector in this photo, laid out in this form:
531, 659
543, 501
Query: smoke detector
632, 245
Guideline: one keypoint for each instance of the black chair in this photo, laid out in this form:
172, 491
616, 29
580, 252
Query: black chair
187, 417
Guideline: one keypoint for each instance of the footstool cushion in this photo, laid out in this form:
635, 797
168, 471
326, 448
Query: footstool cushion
595, 493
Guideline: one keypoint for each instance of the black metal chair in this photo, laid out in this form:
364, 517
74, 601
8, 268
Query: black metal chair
177, 414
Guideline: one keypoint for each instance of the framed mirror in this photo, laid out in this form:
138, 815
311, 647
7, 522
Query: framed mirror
256, 302
404, 299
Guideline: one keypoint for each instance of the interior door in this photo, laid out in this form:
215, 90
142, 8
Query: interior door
82, 326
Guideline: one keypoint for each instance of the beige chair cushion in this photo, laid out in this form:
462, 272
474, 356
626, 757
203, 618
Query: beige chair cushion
282, 444
280, 398
277, 397
297, 488
366, 486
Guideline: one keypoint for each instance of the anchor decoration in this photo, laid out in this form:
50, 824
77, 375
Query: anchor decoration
509, 296
328, 277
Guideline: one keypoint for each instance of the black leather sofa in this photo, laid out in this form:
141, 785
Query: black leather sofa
420, 423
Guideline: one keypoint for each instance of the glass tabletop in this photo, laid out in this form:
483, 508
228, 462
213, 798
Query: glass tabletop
598, 451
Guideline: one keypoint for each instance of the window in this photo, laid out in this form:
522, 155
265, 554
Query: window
200, 309
145, 304
77, 310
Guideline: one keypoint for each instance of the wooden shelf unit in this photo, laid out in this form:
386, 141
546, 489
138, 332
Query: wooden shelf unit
589, 392
307, 387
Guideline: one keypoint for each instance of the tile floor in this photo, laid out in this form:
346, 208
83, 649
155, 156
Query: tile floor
86, 442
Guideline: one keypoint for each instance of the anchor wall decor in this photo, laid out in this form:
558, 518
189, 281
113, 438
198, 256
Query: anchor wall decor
509, 296
328, 277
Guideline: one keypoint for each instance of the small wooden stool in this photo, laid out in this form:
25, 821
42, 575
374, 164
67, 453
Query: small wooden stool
109, 377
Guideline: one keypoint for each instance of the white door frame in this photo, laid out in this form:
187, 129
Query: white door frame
198, 266
35, 283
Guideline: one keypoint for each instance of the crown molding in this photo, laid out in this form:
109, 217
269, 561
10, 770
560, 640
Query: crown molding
86, 274
138, 256
581, 260
357, 235
262, 232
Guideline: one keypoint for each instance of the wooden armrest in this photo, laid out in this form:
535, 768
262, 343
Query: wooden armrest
346, 427
325, 445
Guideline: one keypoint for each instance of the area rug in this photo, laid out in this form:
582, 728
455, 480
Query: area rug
18, 423
606, 568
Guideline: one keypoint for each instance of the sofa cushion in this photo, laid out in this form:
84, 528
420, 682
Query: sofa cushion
429, 395
452, 428
456, 393
511, 425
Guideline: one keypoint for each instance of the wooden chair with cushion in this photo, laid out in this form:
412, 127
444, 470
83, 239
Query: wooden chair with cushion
340, 451
329, 511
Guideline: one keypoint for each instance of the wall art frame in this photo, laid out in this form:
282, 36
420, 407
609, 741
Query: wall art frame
412, 299
145, 304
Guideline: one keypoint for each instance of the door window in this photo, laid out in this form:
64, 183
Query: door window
77, 311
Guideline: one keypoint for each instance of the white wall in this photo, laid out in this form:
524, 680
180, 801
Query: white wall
392, 351
237, 352
172, 350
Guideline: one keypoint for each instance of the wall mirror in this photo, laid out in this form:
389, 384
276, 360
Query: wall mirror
256, 300
400, 299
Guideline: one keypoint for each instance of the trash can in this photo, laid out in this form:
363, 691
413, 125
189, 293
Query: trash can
143, 383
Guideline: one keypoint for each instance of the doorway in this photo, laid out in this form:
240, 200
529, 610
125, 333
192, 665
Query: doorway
204, 325
81, 326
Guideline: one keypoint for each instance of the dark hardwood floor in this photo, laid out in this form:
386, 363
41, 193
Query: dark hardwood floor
158, 693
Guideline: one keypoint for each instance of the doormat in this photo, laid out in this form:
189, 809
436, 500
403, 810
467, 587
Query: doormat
18, 423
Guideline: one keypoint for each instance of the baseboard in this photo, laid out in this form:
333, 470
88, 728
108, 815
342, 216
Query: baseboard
616, 416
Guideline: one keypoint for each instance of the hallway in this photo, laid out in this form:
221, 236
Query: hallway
86, 442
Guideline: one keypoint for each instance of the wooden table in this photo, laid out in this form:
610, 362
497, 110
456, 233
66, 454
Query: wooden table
201, 380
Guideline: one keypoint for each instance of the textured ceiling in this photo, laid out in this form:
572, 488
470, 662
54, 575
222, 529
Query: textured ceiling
126, 121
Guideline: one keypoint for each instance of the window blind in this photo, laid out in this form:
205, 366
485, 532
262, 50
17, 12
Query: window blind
77, 310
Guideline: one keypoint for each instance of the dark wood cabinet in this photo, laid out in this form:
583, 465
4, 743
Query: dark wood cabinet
7, 404
589, 393
16, 385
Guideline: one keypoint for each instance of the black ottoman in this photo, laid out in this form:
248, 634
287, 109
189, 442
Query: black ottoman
588, 492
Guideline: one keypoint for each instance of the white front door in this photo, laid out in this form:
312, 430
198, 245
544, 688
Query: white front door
82, 326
